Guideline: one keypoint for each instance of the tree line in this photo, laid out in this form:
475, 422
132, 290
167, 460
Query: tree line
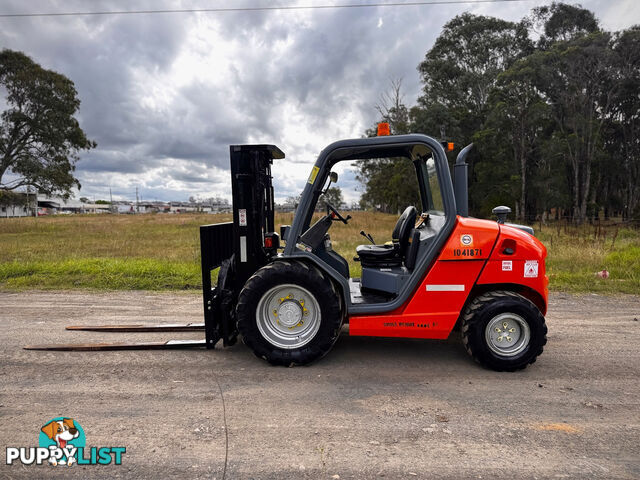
552, 104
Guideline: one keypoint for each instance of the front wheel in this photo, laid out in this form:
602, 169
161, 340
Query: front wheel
289, 313
503, 331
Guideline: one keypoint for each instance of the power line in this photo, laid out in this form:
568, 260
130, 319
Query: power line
254, 9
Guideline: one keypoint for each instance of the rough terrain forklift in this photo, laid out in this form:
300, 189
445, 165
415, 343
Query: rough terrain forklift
440, 269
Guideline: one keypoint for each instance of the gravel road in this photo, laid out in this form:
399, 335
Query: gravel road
373, 408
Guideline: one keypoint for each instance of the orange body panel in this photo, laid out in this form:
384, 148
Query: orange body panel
472, 239
525, 266
435, 306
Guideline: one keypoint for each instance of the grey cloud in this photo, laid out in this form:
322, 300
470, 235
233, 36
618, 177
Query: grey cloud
336, 64
111, 161
190, 178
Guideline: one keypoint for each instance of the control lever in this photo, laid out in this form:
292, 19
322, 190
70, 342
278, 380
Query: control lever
367, 236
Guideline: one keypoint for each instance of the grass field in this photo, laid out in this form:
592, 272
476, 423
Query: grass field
160, 252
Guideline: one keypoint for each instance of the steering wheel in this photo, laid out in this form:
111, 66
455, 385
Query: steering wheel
336, 214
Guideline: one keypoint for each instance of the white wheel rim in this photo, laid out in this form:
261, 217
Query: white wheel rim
288, 316
507, 334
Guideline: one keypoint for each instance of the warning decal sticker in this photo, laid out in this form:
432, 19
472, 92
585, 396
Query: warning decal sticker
314, 174
507, 265
531, 268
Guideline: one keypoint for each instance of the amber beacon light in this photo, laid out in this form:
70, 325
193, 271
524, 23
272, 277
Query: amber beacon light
383, 129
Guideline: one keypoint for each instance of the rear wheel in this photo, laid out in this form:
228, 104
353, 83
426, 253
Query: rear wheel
503, 331
289, 313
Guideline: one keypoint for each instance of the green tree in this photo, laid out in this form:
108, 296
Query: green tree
9, 198
39, 136
555, 121
575, 78
623, 126
333, 196
458, 74
560, 22
461, 69
514, 130
390, 183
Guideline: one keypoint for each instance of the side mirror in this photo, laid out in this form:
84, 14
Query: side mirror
333, 178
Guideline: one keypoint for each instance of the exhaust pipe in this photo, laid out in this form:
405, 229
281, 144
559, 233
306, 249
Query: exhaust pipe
461, 182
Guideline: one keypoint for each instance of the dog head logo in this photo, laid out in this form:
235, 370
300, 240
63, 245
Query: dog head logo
62, 434
61, 431
62, 442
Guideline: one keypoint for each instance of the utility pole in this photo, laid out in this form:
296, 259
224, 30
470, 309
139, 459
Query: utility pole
137, 207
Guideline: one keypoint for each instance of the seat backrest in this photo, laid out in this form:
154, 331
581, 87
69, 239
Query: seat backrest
403, 228
412, 249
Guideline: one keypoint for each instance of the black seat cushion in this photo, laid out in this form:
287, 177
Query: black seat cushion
390, 255
379, 255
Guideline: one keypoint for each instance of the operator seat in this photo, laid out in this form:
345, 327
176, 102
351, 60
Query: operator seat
379, 256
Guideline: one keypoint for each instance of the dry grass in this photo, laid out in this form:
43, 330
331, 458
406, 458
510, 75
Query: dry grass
162, 251
162, 237
575, 254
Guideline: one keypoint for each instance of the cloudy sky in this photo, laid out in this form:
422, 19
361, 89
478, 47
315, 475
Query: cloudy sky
164, 95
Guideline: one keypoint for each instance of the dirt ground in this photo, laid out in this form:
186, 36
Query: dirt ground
373, 408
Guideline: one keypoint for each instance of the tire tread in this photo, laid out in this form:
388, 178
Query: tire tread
330, 306
471, 316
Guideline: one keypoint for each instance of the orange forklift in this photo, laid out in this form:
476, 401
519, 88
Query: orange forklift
440, 268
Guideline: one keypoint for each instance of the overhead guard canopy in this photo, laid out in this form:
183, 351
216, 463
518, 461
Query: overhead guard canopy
276, 153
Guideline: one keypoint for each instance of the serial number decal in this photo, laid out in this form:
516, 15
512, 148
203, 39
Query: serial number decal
467, 252
409, 324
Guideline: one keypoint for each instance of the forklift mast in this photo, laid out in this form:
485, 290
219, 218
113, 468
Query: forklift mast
238, 248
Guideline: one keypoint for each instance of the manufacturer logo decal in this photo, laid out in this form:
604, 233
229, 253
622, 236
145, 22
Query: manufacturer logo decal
531, 268
507, 265
466, 240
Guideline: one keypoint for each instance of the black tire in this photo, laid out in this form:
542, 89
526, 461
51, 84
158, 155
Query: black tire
487, 308
314, 282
